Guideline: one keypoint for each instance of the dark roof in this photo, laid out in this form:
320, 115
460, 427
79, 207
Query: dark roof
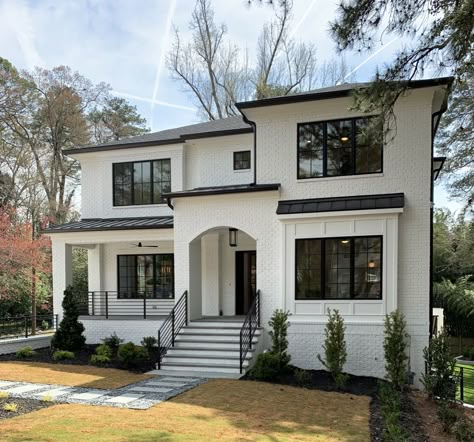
362, 202
222, 190
338, 91
216, 128
100, 224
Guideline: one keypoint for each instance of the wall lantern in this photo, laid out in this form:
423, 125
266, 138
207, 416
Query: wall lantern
233, 237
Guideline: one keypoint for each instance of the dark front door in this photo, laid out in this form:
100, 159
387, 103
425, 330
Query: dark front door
246, 280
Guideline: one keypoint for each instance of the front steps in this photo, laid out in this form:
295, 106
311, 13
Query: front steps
209, 346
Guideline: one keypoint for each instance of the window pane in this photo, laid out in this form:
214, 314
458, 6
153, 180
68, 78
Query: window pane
304, 164
242, 160
308, 269
339, 148
138, 190
368, 146
310, 150
137, 172
146, 172
146, 193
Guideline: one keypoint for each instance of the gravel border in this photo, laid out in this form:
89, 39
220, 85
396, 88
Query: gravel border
25, 406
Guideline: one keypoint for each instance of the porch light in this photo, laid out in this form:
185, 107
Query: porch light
344, 139
371, 264
345, 241
233, 237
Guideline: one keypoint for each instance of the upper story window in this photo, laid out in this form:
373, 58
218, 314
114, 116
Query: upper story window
242, 160
339, 268
339, 147
141, 182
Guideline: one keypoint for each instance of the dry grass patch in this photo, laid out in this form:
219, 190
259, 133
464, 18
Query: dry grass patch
70, 375
216, 411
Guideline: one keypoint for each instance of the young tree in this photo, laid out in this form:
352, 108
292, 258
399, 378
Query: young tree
395, 349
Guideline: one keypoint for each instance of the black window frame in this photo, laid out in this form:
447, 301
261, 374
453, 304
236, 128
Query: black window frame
122, 293
352, 273
132, 188
249, 160
325, 149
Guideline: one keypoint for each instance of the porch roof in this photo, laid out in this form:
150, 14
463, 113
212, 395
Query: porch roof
222, 190
360, 202
101, 224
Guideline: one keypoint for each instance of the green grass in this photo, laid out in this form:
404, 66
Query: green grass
468, 383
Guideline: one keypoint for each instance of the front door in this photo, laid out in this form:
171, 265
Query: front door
246, 280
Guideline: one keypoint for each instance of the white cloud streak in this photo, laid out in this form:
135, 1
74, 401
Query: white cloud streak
153, 101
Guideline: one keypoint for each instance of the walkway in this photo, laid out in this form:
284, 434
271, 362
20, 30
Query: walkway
141, 395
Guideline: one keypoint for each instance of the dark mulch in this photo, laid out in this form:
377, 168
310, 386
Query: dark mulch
410, 419
24, 406
82, 357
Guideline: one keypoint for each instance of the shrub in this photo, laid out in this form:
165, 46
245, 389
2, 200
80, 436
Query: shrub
391, 404
69, 335
100, 359
131, 355
447, 415
463, 430
10, 407
335, 348
302, 377
45, 325
469, 353
62, 355
279, 334
267, 367
439, 377
395, 349
25, 352
103, 350
150, 343
113, 342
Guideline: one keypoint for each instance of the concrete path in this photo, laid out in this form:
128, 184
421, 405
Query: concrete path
141, 395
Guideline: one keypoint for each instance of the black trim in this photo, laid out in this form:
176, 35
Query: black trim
254, 126
437, 171
179, 140
325, 148
337, 204
352, 261
224, 190
338, 93
249, 159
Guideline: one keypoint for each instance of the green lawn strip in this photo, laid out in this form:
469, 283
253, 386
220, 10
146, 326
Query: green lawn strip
468, 383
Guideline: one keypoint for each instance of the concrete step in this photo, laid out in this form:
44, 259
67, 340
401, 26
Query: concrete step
213, 331
207, 344
197, 374
223, 339
182, 366
216, 324
204, 352
210, 360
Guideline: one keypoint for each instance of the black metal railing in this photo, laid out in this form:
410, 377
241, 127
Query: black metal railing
120, 303
22, 326
175, 321
249, 327
465, 388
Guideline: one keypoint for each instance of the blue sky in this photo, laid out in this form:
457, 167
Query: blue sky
123, 42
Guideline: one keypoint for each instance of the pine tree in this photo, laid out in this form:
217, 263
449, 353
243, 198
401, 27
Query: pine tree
69, 335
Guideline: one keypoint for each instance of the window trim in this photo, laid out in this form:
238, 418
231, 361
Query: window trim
325, 150
136, 291
114, 202
250, 159
323, 268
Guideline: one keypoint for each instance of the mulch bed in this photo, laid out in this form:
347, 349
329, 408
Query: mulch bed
24, 406
81, 357
410, 419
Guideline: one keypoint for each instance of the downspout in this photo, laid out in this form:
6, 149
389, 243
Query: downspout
254, 127
434, 128
168, 201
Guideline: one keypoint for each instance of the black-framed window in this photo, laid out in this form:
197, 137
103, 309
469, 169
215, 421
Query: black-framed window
242, 160
339, 268
152, 275
339, 147
141, 182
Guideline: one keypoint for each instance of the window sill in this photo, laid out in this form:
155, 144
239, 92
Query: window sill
337, 178
139, 206
305, 301
242, 170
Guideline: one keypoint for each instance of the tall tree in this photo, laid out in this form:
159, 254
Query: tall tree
115, 120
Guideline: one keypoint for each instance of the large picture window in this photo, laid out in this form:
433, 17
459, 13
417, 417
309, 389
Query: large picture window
339, 268
337, 148
141, 182
152, 275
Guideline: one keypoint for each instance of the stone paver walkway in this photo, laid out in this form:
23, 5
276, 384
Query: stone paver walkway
141, 395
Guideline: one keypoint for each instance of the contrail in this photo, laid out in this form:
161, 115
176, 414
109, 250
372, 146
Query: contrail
370, 58
162, 58
154, 102
302, 19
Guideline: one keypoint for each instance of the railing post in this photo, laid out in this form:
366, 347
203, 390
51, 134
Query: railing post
93, 304
159, 349
26, 326
186, 306
172, 328
241, 352
144, 305
106, 305
258, 308
55, 319
461, 383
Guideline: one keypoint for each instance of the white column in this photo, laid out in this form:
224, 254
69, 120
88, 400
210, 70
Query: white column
62, 273
210, 274
195, 285
95, 268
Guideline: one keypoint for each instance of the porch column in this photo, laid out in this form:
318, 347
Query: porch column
210, 274
62, 273
95, 269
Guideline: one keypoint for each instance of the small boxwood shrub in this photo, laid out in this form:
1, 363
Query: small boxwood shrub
113, 342
25, 353
62, 355
100, 359
267, 367
150, 343
103, 355
131, 355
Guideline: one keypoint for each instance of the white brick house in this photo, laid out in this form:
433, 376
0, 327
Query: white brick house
291, 199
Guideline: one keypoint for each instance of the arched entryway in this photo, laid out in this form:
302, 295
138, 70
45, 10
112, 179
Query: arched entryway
223, 273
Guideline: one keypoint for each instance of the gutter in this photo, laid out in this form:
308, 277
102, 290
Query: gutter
254, 125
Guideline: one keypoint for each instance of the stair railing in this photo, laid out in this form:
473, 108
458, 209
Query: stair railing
249, 327
174, 322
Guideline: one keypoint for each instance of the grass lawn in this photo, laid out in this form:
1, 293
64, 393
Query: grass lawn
220, 410
71, 375
468, 383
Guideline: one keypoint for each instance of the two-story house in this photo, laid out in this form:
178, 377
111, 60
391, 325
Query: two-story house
290, 206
